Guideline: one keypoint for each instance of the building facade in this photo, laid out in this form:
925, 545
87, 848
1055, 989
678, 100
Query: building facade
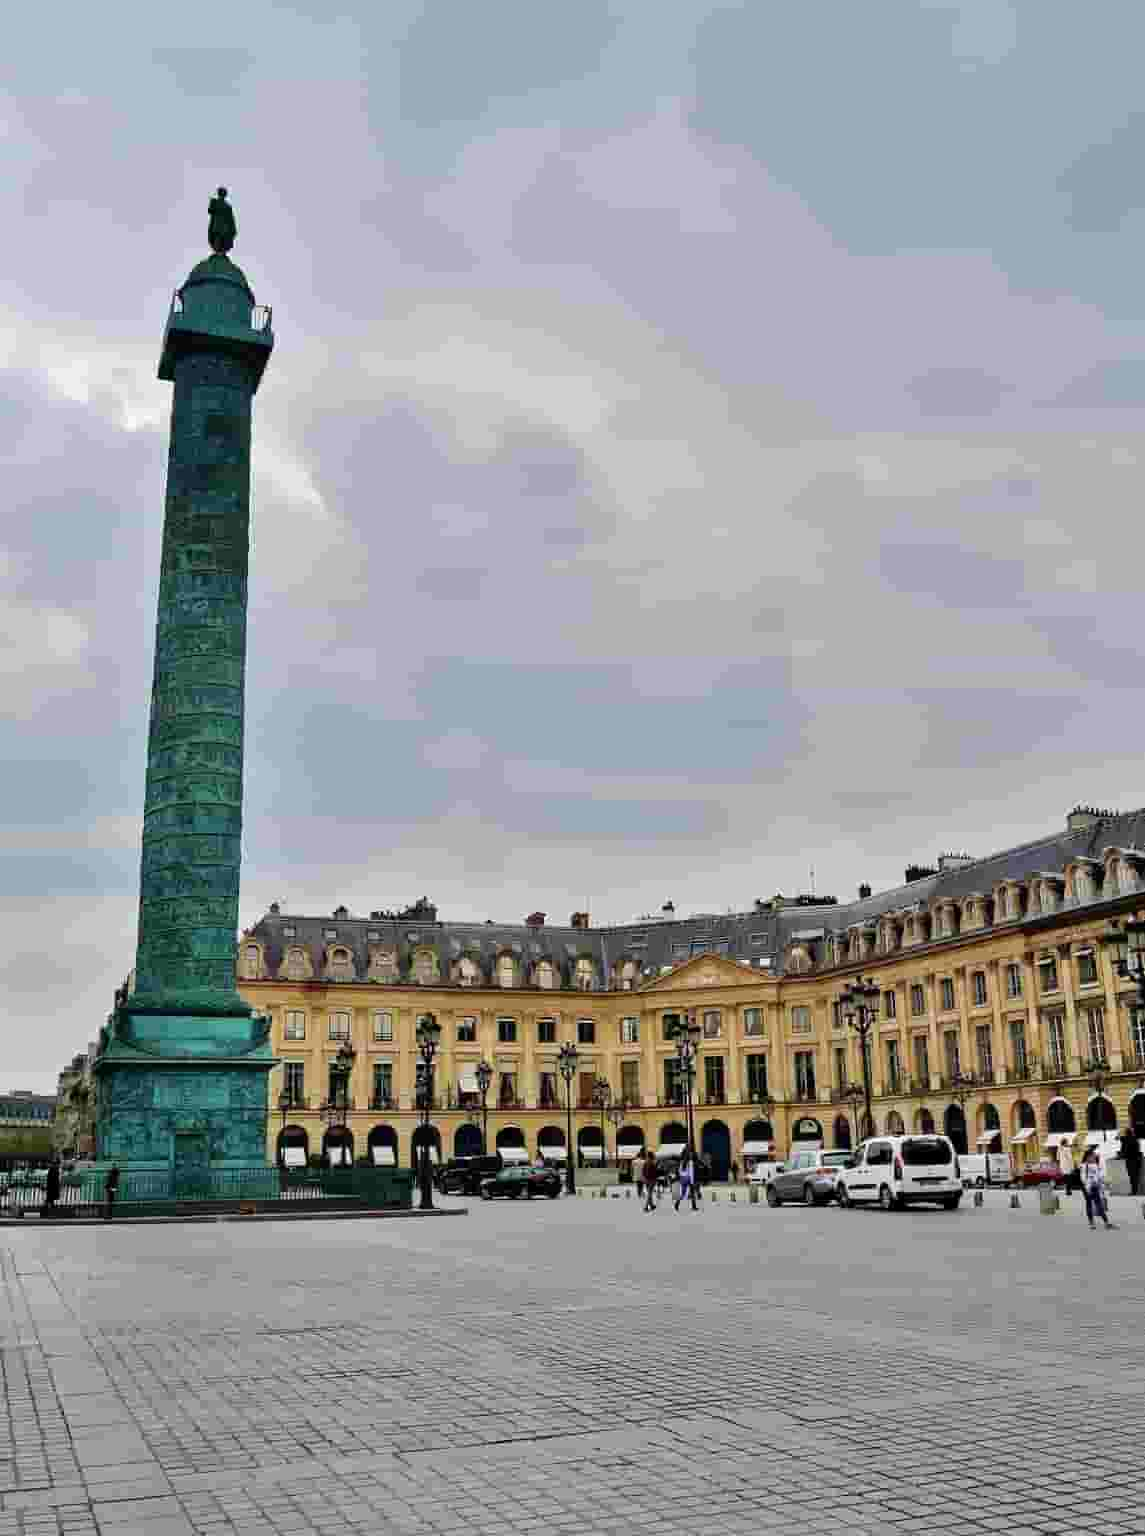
26, 1121
990, 969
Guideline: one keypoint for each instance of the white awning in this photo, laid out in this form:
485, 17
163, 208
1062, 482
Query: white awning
294, 1157
434, 1155
1100, 1138
671, 1149
338, 1155
553, 1154
1058, 1138
757, 1148
467, 1083
384, 1157
592, 1153
1024, 1134
513, 1155
986, 1136
629, 1149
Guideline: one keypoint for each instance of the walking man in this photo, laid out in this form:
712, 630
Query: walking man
51, 1187
648, 1176
110, 1190
686, 1181
1131, 1152
1093, 1184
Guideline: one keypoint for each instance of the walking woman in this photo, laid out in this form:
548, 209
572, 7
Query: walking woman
1093, 1185
686, 1181
648, 1177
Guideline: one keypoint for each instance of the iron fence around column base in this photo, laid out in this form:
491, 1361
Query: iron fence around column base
373, 1187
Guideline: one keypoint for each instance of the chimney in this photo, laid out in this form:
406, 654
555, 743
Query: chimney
669, 909
864, 891
578, 920
535, 920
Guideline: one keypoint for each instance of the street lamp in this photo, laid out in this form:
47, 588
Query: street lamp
567, 1063
1097, 1070
1128, 947
484, 1073
602, 1097
962, 1085
853, 1093
860, 1006
687, 1050
615, 1116
335, 1111
428, 1034
283, 1106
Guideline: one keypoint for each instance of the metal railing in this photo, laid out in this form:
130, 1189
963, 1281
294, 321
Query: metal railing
367, 1185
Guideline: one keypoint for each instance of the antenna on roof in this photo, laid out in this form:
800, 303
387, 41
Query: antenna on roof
812, 874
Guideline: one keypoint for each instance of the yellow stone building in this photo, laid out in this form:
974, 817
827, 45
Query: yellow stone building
986, 968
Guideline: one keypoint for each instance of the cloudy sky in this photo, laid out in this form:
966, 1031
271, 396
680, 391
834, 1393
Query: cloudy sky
702, 443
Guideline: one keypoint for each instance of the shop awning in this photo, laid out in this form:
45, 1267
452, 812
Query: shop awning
1058, 1138
630, 1149
1024, 1134
467, 1083
757, 1148
513, 1155
553, 1154
671, 1149
592, 1153
434, 1155
294, 1157
986, 1136
1100, 1138
384, 1157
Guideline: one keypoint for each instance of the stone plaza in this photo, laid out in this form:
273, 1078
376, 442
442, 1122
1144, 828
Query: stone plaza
576, 1367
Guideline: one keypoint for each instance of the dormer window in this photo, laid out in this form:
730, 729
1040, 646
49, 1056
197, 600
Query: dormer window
252, 962
341, 965
584, 975
505, 971
544, 975
297, 965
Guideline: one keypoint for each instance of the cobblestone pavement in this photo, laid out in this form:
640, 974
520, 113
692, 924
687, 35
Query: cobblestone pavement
576, 1367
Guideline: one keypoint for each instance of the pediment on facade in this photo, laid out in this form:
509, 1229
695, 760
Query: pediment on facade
705, 971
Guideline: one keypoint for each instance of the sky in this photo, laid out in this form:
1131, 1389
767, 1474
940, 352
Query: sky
702, 446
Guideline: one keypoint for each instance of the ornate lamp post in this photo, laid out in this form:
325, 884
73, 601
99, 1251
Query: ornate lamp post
1128, 953
854, 1095
484, 1075
602, 1097
567, 1059
428, 1034
335, 1111
687, 1050
283, 1106
1097, 1070
616, 1116
962, 1085
860, 1006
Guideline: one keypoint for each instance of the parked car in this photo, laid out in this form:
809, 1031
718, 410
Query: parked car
974, 1168
895, 1171
764, 1170
1045, 1171
463, 1175
512, 1183
809, 1175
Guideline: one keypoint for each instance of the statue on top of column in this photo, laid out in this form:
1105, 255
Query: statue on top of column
222, 229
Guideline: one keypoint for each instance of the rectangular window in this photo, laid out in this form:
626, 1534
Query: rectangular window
294, 1026
329, 933
289, 931
917, 999
701, 946
507, 1031
758, 940
1018, 1048
293, 1083
921, 1061
679, 951
372, 936
339, 1026
630, 1031
630, 1082
890, 1004
946, 1000
801, 1021
338, 1088
467, 1030
978, 982
753, 1021
383, 1085
713, 1024
383, 1026
673, 1081
1137, 1036
638, 941
1048, 974
804, 1074
1095, 1029
837, 1016
548, 1085
507, 1091
670, 1023
984, 1046
714, 1079
757, 1078
1087, 968
894, 1067
1055, 1043
546, 1031
586, 1031
953, 1052
840, 1066
1013, 980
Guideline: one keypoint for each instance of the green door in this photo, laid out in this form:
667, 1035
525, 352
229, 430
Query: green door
191, 1175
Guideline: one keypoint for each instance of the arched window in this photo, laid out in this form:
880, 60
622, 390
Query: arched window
842, 1133
544, 974
506, 971
467, 972
895, 1126
1060, 1116
297, 968
584, 975
341, 965
628, 973
383, 965
252, 962
425, 967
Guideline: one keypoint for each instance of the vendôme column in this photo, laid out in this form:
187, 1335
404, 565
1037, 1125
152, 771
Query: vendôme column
184, 1065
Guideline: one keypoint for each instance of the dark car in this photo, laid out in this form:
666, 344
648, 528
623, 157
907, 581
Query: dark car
463, 1175
1044, 1172
512, 1183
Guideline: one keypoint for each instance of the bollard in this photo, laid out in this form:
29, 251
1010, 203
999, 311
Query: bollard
1015, 1200
628, 1194
715, 1195
978, 1197
1048, 1202
753, 1195
732, 1197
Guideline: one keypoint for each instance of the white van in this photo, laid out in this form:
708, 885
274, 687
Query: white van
895, 1171
974, 1166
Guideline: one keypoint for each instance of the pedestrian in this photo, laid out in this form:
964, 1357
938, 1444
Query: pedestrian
685, 1188
52, 1186
649, 1175
1093, 1184
1065, 1163
110, 1190
1131, 1152
735, 1171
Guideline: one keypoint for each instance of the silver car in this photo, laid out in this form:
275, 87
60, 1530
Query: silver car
809, 1176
